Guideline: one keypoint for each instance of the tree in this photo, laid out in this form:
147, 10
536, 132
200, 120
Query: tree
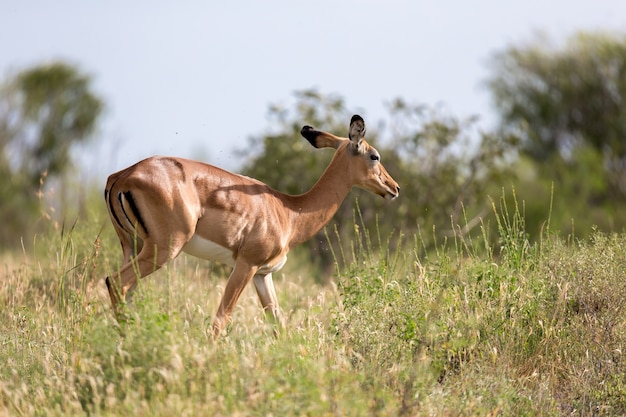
566, 102
44, 112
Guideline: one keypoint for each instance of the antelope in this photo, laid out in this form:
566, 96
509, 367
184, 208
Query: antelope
162, 206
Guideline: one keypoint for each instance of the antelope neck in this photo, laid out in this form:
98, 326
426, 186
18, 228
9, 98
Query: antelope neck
314, 209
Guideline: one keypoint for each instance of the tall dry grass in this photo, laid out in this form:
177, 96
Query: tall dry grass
522, 327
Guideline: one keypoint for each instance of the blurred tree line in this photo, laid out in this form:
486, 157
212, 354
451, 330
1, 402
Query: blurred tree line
562, 134
44, 112
567, 106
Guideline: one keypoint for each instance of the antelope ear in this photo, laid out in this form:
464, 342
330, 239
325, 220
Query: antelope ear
320, 139
357, 130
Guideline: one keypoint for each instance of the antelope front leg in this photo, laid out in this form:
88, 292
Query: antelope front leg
267, 294
239, 278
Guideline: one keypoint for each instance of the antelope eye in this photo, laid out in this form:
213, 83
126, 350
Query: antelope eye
375, 157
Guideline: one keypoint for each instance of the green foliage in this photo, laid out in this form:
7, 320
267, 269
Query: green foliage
565, 95
44, 112
57, 104
444, 167
561, 99
579, 189
564, 103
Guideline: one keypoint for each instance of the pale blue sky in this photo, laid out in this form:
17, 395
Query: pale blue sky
194, 78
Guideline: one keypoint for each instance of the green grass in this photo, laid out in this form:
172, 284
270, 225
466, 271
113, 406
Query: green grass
518, 328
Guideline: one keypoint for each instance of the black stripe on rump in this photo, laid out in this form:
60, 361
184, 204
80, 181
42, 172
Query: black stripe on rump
133, 207
107, 193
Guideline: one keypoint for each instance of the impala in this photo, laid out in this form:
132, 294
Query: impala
163, 206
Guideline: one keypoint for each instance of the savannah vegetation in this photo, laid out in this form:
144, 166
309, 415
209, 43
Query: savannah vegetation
493, 286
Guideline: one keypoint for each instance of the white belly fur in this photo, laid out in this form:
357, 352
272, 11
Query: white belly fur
206, 249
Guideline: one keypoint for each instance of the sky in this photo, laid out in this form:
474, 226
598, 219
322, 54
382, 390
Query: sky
195, 78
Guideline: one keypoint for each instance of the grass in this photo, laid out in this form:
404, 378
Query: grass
519, 327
